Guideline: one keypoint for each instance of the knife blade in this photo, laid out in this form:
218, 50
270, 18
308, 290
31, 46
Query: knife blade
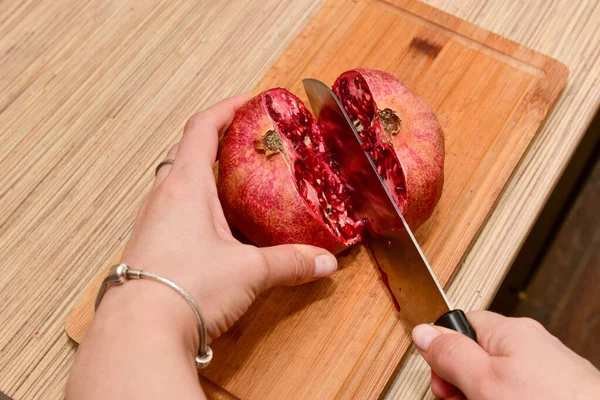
415, 290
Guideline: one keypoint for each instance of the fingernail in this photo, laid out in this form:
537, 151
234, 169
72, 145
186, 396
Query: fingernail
325, 265
423, 335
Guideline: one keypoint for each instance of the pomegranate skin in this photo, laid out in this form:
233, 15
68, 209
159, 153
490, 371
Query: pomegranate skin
258, 193
419, 143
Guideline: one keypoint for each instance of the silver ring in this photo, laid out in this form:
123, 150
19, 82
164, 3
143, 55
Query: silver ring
168, 161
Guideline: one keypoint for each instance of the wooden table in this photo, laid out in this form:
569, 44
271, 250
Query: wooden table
81, 84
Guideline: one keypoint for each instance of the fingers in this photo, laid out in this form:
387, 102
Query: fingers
483, 321
503, 336
162, 173
453, 357
486, 324
201, 134
442, 389
293, 264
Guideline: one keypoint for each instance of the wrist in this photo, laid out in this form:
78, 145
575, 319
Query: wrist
142, 331
142, 307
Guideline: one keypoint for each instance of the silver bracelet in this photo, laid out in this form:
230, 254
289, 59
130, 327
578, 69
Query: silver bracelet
119, 273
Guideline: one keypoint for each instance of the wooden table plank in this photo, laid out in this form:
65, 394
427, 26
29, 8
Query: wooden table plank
69, 72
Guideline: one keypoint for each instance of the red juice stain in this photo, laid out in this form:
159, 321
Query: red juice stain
384, 278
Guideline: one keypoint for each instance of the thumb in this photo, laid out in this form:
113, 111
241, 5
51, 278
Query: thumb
453, 357
293, 264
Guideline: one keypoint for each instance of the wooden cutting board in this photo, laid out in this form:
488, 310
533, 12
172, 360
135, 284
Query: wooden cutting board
340, 337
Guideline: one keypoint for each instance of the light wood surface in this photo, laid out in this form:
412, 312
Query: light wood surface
278, 351
94, 93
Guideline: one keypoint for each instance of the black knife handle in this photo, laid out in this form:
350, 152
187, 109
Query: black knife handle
457, 321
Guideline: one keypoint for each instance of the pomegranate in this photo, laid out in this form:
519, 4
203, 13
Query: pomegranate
402, 136
278, 183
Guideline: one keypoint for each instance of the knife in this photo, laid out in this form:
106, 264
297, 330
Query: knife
415, 290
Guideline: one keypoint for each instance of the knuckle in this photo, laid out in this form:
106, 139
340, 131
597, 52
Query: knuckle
173, 150
168, 193
194, 122
255, 257
300, 265
535, 324
527, 324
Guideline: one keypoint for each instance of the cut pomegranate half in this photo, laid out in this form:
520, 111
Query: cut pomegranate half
278, 182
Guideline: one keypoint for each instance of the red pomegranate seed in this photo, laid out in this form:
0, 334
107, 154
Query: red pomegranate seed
388, 160
307, 175
348, 231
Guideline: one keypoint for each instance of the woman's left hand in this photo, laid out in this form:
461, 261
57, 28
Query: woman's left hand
181, 233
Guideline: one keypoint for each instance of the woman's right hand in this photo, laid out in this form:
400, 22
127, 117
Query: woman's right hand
516, 358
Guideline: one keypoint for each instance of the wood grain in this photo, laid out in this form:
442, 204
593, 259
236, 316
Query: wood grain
84, 120
278, 349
